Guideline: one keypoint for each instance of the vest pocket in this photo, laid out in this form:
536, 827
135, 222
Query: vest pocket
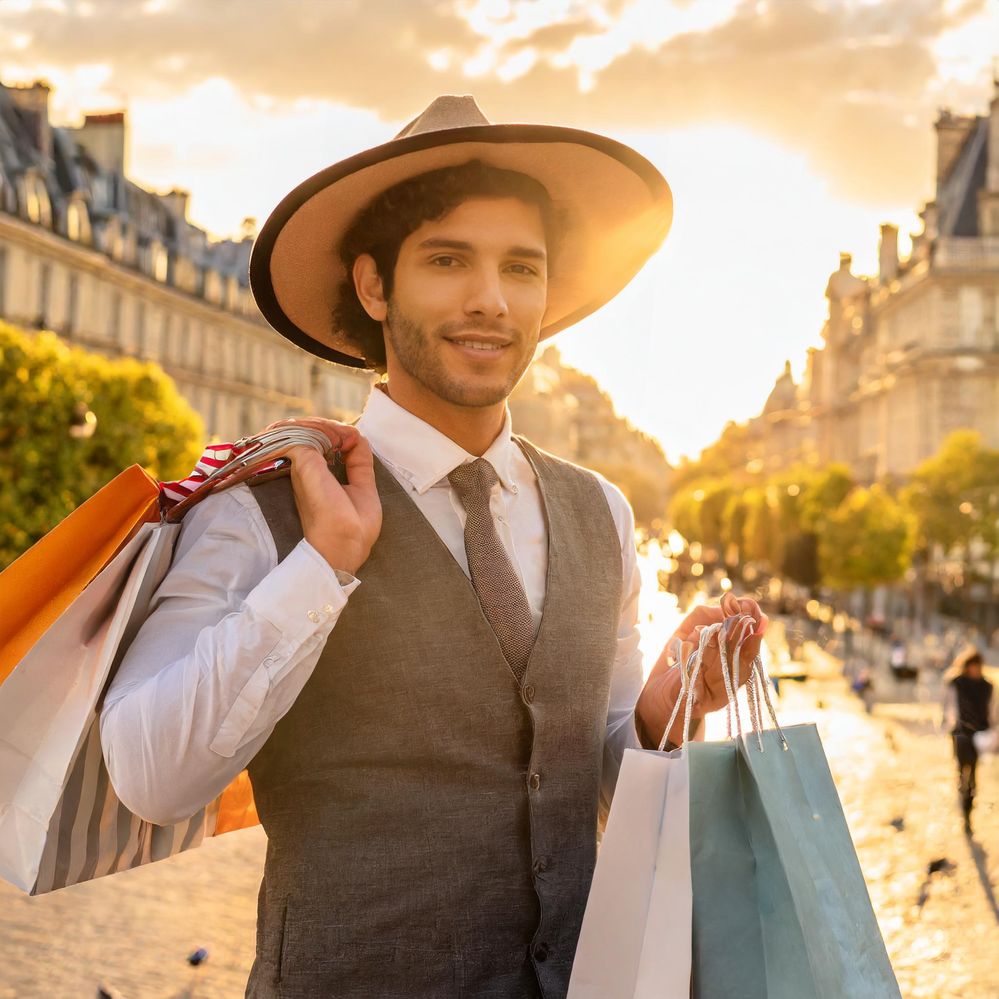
280, 944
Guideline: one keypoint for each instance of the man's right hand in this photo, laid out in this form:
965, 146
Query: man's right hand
341, 522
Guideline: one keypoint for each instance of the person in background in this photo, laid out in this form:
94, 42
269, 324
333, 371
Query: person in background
968, 708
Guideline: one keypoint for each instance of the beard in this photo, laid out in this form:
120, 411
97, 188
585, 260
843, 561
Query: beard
420, 355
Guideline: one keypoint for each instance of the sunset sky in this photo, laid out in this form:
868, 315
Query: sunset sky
787, 129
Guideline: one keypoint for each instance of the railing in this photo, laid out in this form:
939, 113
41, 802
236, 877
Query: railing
966, 252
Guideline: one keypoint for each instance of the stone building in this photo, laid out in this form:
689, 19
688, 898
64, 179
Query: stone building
117, 269
565, 411
911, 353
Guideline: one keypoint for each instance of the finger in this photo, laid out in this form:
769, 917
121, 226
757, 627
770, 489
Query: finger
730, 604
748, 605
702, 615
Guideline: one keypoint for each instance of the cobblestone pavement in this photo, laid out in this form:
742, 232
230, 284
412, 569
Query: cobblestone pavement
897, 780
132, 932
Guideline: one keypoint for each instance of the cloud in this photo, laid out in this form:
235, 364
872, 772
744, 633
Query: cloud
852, 85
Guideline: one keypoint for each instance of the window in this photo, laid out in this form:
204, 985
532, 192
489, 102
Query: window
116, 318
140, 329
73, 304
44, 290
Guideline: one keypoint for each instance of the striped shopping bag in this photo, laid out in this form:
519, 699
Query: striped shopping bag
69, 608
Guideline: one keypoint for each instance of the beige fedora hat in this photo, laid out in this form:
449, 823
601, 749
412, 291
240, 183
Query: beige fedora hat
617, 206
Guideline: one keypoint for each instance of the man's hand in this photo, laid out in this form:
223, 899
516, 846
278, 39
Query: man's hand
341, 522
662, 689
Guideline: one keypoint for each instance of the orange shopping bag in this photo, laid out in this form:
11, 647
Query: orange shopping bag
69, 608
39, 586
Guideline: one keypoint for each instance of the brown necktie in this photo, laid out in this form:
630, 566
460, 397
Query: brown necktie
500, 592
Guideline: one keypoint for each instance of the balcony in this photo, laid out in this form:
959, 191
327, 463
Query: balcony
966, 253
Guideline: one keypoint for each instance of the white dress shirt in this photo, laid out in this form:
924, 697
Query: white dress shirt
233, 635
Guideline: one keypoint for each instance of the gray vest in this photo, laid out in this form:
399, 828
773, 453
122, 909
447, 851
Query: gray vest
431, 822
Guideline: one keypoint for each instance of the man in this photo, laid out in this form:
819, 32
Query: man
429, 664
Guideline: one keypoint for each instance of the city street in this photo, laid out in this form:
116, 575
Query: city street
132, 932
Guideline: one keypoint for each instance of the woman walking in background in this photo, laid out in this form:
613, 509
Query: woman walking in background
968, 709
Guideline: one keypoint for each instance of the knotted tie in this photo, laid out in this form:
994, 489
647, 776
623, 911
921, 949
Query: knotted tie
500, 592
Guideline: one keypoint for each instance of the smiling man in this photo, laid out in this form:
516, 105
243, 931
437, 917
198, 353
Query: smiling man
429, 664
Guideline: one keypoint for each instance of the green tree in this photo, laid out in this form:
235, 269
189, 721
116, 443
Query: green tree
867, 540
955, 495
45, 387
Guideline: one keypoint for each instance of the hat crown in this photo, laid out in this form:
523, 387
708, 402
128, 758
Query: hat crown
448, 111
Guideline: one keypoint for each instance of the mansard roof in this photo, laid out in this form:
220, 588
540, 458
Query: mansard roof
958, 194
112, 200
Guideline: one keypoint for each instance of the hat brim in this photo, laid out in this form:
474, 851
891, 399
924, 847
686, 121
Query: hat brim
617, 205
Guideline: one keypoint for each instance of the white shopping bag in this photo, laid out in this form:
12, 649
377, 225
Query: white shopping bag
635, 941
48, 703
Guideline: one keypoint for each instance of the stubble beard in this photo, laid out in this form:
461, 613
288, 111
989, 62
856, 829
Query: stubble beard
414, 349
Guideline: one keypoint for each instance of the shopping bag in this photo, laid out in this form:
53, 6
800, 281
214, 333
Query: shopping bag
39, 586
635, 938
780, 906
60, 820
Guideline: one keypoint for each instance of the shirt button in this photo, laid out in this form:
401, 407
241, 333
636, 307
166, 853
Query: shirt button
313, 616
541, 952
535, 781
328, 609
528, 694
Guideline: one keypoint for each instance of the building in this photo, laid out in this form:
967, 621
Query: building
117, 269
912, 353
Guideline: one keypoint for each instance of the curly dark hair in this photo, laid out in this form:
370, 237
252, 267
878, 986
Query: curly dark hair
380, 228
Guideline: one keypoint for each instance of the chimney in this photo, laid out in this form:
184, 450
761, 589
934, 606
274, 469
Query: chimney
33, 103
952, 130
888, 254
103, 137
177, 200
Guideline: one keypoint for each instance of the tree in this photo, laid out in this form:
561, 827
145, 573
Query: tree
46, 387
955, 495
867, 540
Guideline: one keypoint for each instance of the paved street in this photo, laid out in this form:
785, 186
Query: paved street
132, 932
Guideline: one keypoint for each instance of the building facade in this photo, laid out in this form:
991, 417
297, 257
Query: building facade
912, 353
120, 270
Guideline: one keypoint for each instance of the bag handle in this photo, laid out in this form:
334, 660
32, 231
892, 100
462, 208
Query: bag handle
758, 683
253, 453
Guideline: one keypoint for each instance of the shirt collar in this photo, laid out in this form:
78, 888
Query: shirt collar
419, 452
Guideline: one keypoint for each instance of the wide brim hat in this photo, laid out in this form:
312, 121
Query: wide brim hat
616, 206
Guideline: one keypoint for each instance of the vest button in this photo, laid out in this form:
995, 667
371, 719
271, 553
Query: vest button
535, 781
540, 865
528, 694
541, 952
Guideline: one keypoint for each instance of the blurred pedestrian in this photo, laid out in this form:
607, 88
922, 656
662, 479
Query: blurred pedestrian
968, 708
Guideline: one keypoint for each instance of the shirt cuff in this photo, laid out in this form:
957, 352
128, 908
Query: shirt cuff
302, 594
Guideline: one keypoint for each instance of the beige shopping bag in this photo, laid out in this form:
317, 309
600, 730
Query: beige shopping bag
60, 821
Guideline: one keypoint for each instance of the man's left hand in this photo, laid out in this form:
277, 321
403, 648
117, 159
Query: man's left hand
662, 689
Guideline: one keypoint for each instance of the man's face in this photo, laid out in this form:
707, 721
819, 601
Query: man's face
469, 294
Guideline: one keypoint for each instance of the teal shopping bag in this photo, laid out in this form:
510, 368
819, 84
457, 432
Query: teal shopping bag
780, 907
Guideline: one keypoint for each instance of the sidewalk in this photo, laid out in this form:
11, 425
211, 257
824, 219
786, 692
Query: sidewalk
897, 780
132, 931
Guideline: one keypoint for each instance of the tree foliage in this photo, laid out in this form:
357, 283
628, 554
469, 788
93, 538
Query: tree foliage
867, 540
46, 386
955, 495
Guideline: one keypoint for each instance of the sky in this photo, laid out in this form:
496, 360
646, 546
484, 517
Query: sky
787, 129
